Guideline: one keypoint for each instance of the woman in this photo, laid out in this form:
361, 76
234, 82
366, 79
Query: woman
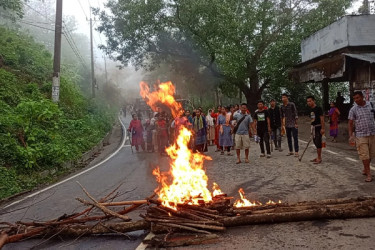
333, 114
136, 130
225, 136
149, 126
162, 132
199, 128
215, 116
210, 128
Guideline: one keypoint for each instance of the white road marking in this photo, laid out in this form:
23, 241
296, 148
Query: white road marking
143, 246
351, 159
76, 175
329, 151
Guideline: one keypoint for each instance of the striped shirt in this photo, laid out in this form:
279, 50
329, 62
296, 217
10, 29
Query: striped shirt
363, 116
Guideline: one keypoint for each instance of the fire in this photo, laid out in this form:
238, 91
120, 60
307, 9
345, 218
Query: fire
186, 181
243, 202
216, 190
189, 180
270, 202
164, 94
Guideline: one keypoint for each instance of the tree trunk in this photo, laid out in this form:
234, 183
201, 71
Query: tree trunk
252, 99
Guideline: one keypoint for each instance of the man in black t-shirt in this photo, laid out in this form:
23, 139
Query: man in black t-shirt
275, 120
317, 127
262, 121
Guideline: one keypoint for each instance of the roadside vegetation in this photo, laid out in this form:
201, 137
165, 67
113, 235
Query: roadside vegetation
37, 135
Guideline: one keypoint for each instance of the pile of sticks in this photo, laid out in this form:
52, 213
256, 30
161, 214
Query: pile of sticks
184, 225
83, 223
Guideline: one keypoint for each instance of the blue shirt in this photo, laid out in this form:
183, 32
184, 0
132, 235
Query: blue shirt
243, 128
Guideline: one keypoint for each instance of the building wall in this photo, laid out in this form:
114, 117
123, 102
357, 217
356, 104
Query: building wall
348, 31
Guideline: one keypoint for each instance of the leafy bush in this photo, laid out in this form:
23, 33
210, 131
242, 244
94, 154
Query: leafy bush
35, 133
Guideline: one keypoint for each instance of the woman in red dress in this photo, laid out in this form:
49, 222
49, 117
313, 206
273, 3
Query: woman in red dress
136, 130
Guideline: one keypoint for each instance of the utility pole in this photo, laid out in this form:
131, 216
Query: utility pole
105, 68
57, 53
93, 81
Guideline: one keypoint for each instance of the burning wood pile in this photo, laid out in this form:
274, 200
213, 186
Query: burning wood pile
180, 225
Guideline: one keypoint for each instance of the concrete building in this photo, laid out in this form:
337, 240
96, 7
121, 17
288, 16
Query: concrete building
344, 51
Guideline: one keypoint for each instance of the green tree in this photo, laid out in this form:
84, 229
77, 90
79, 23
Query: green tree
14, 6
248, 45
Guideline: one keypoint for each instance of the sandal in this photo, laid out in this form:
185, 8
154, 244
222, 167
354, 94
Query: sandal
238, 162
318, 162
221, 153
368, 179
314, 160
229, 154
247, 161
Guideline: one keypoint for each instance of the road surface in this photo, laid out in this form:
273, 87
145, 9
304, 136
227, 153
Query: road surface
279, 178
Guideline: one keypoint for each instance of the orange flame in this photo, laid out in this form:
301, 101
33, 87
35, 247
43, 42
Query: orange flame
243, 202
164, 95
216, 190
186, 181
189, 180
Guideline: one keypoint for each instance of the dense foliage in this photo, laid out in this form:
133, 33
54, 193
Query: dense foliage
246, 45
35, 133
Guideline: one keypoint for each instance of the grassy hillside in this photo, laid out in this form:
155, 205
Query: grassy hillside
35, 133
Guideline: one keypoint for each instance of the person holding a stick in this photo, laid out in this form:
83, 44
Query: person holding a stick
317, 127
362, 113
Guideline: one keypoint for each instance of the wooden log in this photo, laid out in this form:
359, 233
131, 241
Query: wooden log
354, 209
188, 228
198, 208
3, 239
183, 214
104, 209
213, 223
176, 240
123, 203
74, 231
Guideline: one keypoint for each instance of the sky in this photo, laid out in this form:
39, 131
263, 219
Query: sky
80, 9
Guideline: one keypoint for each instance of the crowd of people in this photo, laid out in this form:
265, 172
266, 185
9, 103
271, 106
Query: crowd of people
232, 127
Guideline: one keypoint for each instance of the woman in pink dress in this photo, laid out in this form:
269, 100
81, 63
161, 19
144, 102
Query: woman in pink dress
136, 130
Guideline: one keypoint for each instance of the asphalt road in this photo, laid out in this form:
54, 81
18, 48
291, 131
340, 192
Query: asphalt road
280, 177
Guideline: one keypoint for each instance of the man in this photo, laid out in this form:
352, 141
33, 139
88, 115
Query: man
362, 113
290, 118
263, 128
317, 127
275, 120
242, 132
